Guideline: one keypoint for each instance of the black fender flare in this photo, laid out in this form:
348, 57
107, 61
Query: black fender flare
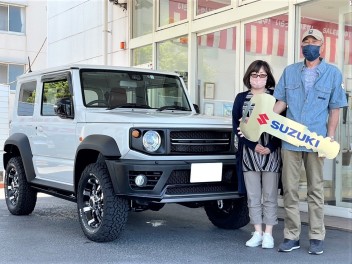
103, 144
106, 145
21, 142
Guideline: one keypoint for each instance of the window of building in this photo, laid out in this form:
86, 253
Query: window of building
266, 39
12, 18
143, 57
205, 6
142, 18
26, 99
53, 92
172, 11
216, 81
172, 55
9, 73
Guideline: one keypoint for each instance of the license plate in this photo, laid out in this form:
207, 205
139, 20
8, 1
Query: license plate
206, 172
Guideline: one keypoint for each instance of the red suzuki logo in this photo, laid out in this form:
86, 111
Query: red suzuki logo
262, 119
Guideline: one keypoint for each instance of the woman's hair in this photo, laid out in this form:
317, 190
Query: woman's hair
255, 67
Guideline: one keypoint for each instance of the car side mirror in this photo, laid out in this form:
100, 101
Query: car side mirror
63, 108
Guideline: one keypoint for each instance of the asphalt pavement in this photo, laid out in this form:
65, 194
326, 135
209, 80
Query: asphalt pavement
175, 234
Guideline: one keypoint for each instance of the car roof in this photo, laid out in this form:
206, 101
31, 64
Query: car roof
92, 66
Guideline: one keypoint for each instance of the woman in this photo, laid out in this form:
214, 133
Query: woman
258, 163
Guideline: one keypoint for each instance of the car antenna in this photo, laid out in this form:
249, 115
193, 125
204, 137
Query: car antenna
29, 65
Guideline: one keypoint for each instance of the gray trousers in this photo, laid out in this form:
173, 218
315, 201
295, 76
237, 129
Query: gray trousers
262, 186
291, 173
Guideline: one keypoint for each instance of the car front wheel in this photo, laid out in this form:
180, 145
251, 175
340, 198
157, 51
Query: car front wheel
102, 214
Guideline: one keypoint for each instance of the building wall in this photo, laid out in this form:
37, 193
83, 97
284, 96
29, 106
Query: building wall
36, 34
76, 33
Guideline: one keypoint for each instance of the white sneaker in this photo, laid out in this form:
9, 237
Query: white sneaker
268, 241
255, 241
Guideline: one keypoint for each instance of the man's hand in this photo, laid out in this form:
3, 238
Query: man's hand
239, 129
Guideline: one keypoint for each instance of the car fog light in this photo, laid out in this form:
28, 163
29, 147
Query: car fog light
141, 180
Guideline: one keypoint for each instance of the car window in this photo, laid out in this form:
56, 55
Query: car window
53, 92
26, 99
120, 89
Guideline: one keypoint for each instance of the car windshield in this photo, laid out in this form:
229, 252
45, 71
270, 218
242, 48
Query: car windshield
124, 89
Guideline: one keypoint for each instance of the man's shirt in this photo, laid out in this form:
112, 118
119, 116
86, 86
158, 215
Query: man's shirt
312, 108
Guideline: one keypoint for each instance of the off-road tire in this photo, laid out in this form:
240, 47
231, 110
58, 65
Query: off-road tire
20, 197
102, 214
233, 214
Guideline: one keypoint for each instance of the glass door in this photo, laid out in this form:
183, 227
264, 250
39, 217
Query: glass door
334, 19
344, 168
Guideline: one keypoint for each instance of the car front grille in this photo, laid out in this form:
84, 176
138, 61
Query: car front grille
199, 189
201, 142
179, 183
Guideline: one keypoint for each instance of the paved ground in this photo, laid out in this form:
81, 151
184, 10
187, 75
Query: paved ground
331, 222
175, 234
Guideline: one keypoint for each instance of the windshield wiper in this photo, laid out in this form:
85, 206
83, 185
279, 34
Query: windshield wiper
173, 107
129, 105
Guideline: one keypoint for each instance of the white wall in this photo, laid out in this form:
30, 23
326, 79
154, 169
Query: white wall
75, 33
36, 32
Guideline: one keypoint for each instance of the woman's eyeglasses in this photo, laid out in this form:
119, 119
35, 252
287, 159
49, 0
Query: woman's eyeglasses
255, 75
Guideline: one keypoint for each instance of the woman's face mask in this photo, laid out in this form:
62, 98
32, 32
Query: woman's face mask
258, 83
311, 52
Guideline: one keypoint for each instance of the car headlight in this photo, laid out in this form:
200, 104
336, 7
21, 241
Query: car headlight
151, 141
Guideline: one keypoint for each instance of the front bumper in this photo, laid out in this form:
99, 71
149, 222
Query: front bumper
169, 181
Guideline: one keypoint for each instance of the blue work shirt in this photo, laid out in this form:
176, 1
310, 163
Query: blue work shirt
312, 108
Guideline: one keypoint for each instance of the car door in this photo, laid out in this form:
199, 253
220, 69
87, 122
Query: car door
54, 143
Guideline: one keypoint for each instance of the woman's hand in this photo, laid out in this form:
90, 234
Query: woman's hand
262, 150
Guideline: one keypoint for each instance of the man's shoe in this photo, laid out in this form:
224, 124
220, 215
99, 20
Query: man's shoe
268, 241
255, 241
288, 245
316, 247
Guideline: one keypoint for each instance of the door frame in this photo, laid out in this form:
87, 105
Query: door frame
340, 60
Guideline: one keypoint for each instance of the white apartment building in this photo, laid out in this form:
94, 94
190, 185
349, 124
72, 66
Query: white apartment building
210, 43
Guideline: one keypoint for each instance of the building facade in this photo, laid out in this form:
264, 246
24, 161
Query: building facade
210, 43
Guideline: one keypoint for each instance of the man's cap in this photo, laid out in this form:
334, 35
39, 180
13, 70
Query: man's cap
314, 33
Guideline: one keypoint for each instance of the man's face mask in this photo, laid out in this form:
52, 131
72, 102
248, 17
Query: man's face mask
311, 52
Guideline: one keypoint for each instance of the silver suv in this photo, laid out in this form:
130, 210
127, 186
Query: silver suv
117, 139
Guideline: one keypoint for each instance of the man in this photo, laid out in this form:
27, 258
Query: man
312, 91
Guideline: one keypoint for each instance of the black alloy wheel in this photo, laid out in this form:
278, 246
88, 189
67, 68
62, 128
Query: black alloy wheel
20, 197
102, 214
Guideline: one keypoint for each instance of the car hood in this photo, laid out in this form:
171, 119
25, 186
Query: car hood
152, 118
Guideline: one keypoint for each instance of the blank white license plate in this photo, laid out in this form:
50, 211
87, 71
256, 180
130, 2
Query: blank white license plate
206, 172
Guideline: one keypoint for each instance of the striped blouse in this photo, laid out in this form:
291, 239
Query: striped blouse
253, 161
